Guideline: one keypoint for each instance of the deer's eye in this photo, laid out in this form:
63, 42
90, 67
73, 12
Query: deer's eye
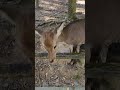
54, 47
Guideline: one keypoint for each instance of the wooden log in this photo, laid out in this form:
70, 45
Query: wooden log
61, 55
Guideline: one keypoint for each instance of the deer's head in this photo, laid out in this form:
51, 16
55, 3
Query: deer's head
49, 41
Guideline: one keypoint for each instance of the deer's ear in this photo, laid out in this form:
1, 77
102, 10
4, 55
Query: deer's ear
38, 32
59, 30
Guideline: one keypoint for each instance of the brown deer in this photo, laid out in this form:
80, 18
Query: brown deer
72, 34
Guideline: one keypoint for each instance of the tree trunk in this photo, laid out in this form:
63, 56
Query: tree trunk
37, 3
72, 9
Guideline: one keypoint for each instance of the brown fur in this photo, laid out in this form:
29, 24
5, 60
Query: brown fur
49, 44
49, 39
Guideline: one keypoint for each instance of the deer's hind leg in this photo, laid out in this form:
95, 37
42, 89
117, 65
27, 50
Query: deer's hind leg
75, 50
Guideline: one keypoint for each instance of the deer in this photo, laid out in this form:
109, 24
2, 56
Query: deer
72, 34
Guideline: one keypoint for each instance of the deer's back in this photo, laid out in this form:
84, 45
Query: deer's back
74, 33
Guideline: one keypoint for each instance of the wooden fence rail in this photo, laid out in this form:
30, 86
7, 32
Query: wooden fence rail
16, 69
62, 55
103, 70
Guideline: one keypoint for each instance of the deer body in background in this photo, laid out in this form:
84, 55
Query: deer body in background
24, 25
72, 34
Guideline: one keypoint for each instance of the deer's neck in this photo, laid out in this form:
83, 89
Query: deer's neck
61, 38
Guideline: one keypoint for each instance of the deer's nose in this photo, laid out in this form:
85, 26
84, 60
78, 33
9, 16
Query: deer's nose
51, 61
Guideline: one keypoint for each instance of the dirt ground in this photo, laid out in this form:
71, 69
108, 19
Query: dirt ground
58, 73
